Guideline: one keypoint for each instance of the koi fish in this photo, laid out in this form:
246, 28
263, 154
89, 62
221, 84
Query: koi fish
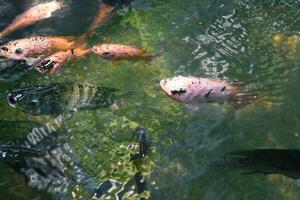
33, 47
119, 51
32, 15
189, 89
51, 64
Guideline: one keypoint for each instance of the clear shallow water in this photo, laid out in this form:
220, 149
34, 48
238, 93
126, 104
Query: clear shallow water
254, 42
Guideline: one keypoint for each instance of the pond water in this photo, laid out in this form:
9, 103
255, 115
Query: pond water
254, 42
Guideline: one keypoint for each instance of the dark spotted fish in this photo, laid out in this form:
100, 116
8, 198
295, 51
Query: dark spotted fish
57, 98
31, 16
33, 48
263, 161
120, 51
191, 89
51, 64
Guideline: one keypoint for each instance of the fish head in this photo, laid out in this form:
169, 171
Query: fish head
178, 88
104, 51
7, 52
12, 51
36, 100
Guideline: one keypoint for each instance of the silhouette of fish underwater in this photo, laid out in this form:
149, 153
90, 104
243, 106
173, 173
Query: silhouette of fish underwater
261, 161
57, 98
52, 165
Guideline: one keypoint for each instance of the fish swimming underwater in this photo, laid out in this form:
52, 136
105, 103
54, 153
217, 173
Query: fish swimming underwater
263, 161
120, 51
53, 170
104, 11
189, 89
36, 46
51, 64
106, 8
142, 137
56, 98
32, 15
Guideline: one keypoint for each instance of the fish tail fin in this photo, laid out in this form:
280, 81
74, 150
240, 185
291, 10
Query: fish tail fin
150, 57
103, 15
83, 51
3, 34
82, 39
240, 100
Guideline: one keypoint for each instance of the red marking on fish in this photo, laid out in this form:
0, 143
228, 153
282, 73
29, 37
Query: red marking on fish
196, 89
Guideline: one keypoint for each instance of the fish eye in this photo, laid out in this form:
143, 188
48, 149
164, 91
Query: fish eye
4, 48
18, 51
11, 100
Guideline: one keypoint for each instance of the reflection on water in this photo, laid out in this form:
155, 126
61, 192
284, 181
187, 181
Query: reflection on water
90, 153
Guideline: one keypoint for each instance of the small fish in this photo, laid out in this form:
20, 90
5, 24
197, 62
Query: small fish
120, 51
143, 138
31, 16
51, 64
57, 98
264, 161
189, 89
33, 47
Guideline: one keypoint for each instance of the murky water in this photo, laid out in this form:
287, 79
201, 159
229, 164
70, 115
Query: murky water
255, 42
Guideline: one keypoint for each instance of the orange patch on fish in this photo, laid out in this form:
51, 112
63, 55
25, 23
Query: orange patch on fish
31, 16
33, 47
51, 64
120, 51
102, 16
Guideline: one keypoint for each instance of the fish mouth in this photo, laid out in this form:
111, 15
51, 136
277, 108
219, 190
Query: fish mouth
163, 84
11, 100
94, 49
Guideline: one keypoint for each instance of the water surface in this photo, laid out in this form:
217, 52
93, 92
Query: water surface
255, 42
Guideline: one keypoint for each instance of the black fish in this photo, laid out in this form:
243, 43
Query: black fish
265, 161
57, 98
142, 136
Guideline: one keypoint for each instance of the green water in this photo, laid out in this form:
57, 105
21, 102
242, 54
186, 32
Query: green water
255, 42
